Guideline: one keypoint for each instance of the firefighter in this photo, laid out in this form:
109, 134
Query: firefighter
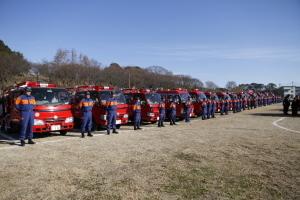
213, 107
295, 105
222, 106
172, 112
204, 109
244, 103
111, 108
226, 105
234, 104
239, 104
208, 108
137, 113
25, 104
86, 105
187, 109
286, 104
255, 101
162, 113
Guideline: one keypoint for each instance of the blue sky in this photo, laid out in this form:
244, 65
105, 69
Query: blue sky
219, 40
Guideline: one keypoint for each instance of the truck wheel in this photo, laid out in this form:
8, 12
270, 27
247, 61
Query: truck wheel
12, 129
95, 126
63, 132
118, 126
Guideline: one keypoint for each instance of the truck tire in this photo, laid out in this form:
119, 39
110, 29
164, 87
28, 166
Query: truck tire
12, 129
95, 126
118, 126
63, 132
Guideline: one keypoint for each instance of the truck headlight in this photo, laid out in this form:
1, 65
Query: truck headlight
103, 117
38, 122
125, 115
69, 120
149, 114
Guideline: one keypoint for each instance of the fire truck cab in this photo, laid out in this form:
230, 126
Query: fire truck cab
149, 103
198, 98
52, 112
180, 96
100, 94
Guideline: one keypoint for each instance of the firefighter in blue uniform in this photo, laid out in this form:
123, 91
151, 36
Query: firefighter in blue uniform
25, 104
226, 105
162, 113
187, 109
234, 104
137, 114
209, 108
111, 108
204, 109
239, 104
86, 105
172, 112
213, 107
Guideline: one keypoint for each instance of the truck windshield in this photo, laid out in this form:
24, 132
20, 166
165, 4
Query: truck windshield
104, 95
153, 98
50, 96
184, 97
202, 96
227, 97
215, 97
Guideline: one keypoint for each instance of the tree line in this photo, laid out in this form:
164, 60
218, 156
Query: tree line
68, 68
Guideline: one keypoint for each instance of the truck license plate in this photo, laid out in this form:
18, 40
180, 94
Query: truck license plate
55, 127
118, 121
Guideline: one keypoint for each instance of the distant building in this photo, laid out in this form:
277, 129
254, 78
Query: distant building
291, 90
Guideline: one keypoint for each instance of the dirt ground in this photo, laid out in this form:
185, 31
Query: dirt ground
240, 156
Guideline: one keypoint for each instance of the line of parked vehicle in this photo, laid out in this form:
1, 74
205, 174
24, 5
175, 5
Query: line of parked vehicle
58, 109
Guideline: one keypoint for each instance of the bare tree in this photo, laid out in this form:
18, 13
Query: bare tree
211, 85
231, 85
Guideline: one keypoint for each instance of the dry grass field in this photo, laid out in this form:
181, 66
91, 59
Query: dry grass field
239, 156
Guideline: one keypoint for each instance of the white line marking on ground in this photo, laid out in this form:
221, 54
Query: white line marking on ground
284, 128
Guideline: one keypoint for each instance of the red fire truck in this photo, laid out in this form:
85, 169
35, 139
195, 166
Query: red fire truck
100, 94
180, 96
149, 101
51, 113
198, 98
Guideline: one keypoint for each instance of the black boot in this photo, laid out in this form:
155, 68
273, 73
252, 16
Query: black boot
115, 132
22, 143
30, 141
139, 128
82, 135
89, 134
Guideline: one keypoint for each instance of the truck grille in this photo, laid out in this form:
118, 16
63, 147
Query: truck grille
55, 120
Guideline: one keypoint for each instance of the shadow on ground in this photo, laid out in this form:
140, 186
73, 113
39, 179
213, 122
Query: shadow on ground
272, 114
